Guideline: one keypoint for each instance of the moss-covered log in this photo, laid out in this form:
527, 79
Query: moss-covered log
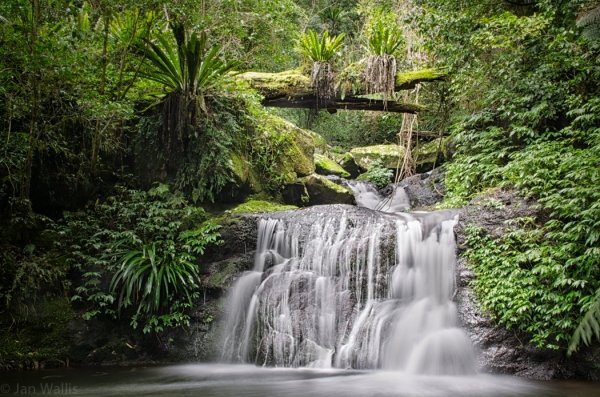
292, 88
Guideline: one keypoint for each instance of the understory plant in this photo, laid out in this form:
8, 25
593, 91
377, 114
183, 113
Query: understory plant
138, 256
189, 70
378, 175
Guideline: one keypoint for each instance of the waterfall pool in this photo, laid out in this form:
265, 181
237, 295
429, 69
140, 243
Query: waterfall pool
223, 380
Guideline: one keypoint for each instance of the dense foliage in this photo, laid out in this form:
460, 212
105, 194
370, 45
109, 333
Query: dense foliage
99, 101
525, 91
137, 255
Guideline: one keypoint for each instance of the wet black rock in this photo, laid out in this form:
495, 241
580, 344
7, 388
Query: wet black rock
425, 190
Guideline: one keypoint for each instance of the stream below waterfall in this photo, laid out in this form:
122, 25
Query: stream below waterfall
222, 380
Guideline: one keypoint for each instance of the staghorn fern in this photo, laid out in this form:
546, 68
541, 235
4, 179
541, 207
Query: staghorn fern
588, 327
380, 75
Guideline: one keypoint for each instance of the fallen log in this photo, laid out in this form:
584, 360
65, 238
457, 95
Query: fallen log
292, 89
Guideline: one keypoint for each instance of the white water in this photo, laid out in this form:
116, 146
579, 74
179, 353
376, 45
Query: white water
346, 296
368, 197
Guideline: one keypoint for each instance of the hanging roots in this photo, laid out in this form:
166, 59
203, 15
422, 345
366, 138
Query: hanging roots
380, 75
322, 82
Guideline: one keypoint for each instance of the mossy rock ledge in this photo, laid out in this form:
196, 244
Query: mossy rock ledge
429, 153
321, 190
388, 155
294, 150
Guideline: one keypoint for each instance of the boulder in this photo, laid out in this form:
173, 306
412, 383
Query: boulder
323, 191
295, 194
326, 166
388, 155
294, 146
346, 161
428, 154
424, 190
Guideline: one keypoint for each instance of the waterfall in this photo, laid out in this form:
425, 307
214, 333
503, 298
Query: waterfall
368, 197
334, 291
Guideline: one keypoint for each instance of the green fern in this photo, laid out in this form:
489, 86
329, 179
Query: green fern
588, 327
385, 40
589, 22
321, 49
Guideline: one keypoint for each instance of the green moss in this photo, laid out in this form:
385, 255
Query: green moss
427, 153
259, 206
409, 79
321, 180
388, 155
220, 278
326, 166
42, 337
245, 173
289, 149
288, 82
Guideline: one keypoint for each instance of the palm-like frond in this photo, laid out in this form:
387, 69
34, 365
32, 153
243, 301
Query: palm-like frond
190, 66
320, 49
588, 328
165, 68
130, 27
147, 277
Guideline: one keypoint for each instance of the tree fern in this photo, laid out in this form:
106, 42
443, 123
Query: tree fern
588, 327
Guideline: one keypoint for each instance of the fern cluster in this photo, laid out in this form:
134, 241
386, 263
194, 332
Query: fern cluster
319, 49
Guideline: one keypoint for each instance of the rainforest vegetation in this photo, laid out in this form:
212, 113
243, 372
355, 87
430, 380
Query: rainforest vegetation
128, 130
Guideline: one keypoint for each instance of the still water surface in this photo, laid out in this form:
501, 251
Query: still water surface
208, 380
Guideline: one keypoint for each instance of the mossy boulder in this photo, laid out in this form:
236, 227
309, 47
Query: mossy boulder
323, 191
429, 153
280, 154
387, 155
346, 161
326, 166
293, 146
295, 194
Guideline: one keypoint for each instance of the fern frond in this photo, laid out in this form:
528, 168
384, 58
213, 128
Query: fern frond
588, 327
589, 22
319, 49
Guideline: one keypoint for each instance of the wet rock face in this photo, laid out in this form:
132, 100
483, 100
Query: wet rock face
492, 212
425, 190
505, 351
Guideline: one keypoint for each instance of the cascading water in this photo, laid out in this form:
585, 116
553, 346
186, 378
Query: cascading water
368, 291
368, 197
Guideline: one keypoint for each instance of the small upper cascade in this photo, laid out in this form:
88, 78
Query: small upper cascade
368, 290
368, 197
